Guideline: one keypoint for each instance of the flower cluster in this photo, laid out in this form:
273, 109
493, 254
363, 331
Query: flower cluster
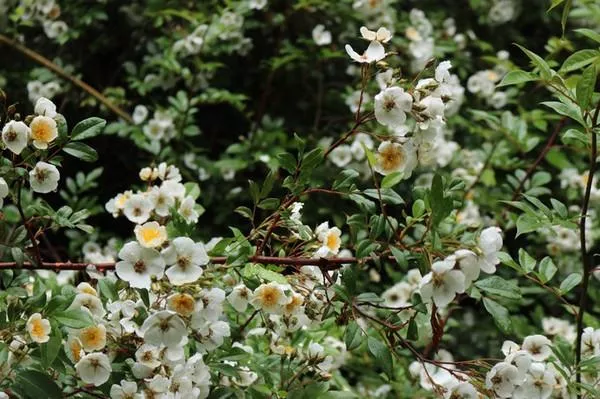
455, 273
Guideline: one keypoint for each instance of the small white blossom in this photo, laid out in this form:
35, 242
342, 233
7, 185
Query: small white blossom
94, 368
185, 258
15, 136
139, 264
44, 177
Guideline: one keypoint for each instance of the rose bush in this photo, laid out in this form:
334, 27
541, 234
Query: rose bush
311, 199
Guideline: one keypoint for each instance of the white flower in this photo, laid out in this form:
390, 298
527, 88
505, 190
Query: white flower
15, 135
185, 257
391, 106
88, 302
148, 355
357, 145
38, 328
137, 208
538, 346
73, 349
44, 177
154, 130
45, 107
502, 379
161, 200
375, 52
490, 243
94, 368
139, 264
354, 99
469, 264
295, 209
385, 79
270, 297
93, 338
394, 157
43, 131
150, 234
181, 303
442, 71
321, 36
187, 211
442, 283
164, 328
3, 190
140, 113
462, 390
54, 29
539, 383
398, 295
382, 35
330, 240
341, 155
127, 390
239, 297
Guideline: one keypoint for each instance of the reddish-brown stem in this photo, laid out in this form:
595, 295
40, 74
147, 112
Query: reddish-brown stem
324, 263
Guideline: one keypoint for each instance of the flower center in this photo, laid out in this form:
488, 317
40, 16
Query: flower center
139, 266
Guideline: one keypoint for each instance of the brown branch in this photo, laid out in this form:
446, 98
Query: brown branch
540, 157
585, 258
61, 72
324, 263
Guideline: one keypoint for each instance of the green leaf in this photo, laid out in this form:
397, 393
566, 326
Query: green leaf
345, 179
49, 350
579, 59
565, 15
547, 269
81, 151
590, 34
269, 203
74, 318
88, 128
36, 384
418, 208
537, 61
388, 195
555, 3
498, 286
412, 332
254, 270
570, 282
499, 313
516, 77
192, 189
352, 336
392, 179
287, 161
440, 205
382, 355
585, 86
570, 110
527, 262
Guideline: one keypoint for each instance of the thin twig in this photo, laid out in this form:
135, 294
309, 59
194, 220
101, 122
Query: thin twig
324, 263
585, 258
61, 72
